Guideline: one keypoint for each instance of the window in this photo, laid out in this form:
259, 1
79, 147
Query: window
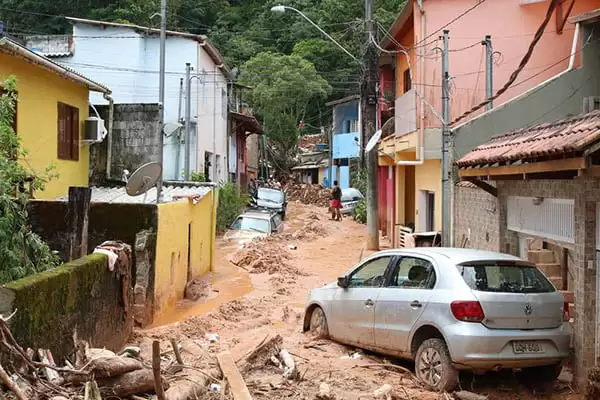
370, 274
512, 278
251, 224
68, 132
407, 81
16, 104
414, 273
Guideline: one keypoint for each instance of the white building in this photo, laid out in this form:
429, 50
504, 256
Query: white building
126, 58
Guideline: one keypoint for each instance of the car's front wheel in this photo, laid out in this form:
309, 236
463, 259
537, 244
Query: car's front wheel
433, 366
318, 323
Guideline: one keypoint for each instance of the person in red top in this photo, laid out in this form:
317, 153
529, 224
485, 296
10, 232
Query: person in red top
336, 202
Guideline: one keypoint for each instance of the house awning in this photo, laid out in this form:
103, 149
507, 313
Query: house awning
248, 123
560, 146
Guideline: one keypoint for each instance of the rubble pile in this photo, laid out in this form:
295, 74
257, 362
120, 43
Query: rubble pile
312, 229
95, 374
308, 194
261, 256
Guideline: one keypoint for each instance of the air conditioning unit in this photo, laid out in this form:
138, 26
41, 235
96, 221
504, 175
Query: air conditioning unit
95, 131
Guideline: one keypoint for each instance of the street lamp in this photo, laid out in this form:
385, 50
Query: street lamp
281, 9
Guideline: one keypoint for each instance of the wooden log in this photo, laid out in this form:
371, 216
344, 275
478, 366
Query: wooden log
238, 387
106, 367
175, 346
158, 387
464, 395
92, 392
79, 208
135, 382
12, 386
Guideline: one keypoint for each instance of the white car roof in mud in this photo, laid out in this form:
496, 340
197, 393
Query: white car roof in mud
258, 214
455, 255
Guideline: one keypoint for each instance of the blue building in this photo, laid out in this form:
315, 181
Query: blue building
346, 137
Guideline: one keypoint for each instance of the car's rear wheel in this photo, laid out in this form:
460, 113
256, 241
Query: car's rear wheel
433, 366
546, 373
318, 323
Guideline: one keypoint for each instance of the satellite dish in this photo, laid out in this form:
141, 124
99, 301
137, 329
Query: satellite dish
143, 179
170, 128
373, 141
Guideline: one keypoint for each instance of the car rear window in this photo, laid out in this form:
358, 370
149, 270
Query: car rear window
513, 278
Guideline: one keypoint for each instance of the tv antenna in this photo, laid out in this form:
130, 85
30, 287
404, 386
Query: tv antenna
143, 179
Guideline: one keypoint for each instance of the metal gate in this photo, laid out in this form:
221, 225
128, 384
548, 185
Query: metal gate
548, 218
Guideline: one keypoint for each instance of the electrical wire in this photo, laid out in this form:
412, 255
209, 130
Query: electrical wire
522, 64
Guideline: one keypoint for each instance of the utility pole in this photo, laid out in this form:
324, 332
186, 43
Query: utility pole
188, 122
368, 104
178, 153
161, 93
330, 171
446, 181
489, 65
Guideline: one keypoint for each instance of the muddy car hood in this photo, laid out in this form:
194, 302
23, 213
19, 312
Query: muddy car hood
268, 204
243, 236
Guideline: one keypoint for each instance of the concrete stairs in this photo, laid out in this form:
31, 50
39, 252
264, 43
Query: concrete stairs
546, 262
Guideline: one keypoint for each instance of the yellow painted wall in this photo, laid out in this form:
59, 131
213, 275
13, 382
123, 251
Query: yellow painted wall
321, 175
400, 194
39, 92
171, 272
429, 177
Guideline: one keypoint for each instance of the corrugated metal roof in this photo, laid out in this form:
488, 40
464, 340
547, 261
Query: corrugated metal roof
118, 194
562, 137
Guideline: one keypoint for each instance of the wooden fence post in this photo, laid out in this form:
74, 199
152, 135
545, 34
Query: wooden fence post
79, 207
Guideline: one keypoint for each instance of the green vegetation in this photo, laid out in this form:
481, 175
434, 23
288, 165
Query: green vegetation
360, 212
230, 206
197, 176
290, 63
22, 252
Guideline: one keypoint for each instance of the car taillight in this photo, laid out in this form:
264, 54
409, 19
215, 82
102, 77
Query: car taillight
467, 311
566, 312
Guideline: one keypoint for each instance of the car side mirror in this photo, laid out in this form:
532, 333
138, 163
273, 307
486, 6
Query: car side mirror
343, 282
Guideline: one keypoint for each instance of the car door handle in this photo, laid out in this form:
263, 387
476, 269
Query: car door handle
416, 304
369, 303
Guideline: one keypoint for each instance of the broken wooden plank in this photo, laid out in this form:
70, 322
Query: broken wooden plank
238, 387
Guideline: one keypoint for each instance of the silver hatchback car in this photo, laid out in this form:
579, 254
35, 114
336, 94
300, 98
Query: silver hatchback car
448, 310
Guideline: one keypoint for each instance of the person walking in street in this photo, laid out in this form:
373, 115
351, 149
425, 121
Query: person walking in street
336, 202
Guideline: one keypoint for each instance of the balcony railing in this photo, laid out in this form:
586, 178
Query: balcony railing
405, 113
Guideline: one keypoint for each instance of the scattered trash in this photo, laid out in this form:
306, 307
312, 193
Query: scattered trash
289, 371
384, 392
130, 351
212, 337
215, 387
353, 356
292, 247
276, 361
325, 392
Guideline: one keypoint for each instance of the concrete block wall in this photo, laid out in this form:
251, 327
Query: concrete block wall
476, 217
80, 300
586, 193
135, 141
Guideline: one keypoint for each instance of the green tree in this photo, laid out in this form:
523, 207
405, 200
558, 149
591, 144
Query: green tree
283, 89
22, 252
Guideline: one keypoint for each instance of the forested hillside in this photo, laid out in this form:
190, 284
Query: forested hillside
294, 69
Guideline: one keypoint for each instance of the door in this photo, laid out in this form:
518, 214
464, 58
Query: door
430, 206
402, 301
353, 308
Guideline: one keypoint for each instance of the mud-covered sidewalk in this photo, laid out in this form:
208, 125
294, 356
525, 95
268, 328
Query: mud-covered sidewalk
252, 307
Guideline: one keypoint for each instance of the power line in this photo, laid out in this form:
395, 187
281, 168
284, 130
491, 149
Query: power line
522, 64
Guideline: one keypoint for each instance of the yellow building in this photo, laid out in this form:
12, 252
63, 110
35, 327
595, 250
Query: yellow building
50, 114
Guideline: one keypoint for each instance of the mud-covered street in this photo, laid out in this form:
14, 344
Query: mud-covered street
243, 309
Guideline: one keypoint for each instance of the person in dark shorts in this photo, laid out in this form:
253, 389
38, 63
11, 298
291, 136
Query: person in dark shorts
336, 202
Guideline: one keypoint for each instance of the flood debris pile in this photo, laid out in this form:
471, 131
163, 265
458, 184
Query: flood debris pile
308, 194
312, 229
268, 256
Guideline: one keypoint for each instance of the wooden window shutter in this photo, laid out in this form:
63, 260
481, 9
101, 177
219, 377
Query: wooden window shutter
63, 152
74, 133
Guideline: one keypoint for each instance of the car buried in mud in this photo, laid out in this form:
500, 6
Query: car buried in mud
448, 310
254, 224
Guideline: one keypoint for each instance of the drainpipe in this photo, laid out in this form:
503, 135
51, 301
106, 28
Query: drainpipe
111, 106
574, 46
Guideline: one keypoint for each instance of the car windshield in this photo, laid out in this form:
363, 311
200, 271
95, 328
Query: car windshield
351, 195
513, 278
274, 196
251, 224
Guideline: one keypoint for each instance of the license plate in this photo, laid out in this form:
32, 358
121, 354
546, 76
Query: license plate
527, 347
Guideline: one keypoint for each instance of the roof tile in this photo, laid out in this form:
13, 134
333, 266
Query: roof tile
562, 137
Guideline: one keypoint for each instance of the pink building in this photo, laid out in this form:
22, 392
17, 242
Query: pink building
410, 98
